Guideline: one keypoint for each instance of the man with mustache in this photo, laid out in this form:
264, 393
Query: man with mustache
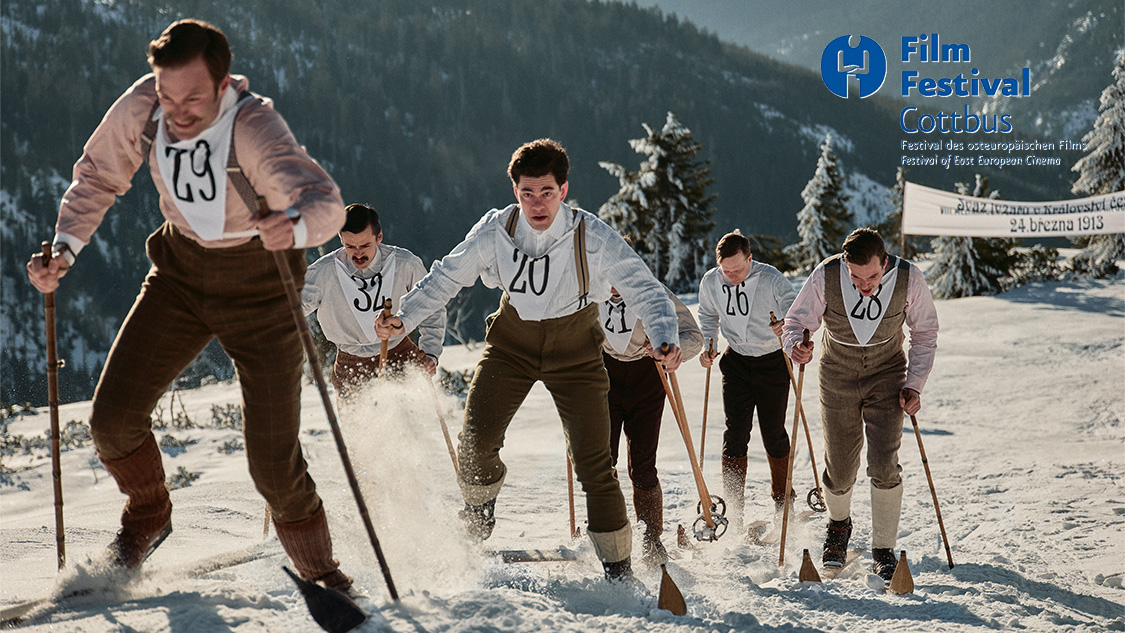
212, 149
347, 287
864, 296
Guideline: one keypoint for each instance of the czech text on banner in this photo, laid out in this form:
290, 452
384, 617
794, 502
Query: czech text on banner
927, 211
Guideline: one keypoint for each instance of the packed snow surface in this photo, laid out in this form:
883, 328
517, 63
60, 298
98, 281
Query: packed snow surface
1021, 422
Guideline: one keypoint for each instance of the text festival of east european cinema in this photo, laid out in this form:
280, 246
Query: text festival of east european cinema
957, 160
960, 160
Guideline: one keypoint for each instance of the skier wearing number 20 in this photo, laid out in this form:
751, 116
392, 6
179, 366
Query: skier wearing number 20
863, 297
737, 297
347, 287
555, 264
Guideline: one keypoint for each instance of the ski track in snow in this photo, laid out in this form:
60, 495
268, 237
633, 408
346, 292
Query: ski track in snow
1022, 425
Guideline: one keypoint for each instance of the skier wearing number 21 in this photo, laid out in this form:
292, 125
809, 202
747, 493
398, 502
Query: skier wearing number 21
555, 264
863, 296
347, 287
737, 296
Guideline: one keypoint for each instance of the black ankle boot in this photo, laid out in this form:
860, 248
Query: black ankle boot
884, 563
621, 571
836, 543
479, 520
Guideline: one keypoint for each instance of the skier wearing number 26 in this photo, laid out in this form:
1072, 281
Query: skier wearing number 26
737, 297
863, 296
555, 264
346, 289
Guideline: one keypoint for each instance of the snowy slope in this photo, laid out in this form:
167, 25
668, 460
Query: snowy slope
1022, 424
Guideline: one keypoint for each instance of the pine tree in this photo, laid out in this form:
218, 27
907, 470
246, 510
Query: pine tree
663, 208
1102, 171
823, 222
891, 226
970, 266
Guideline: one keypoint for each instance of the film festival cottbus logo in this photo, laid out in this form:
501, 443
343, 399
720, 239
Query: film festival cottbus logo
843, 66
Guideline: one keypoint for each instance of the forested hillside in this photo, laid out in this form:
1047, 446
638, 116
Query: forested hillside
412, 107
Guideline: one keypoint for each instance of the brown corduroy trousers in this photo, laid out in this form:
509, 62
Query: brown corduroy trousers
565, 353
191, 295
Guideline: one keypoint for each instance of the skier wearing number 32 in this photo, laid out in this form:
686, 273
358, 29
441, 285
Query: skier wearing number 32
346, 288
863, 296
555, 264
737, 297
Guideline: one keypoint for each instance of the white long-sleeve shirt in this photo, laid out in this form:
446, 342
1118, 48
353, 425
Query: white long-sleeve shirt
773, 293
324, 294
611, 262
921, 317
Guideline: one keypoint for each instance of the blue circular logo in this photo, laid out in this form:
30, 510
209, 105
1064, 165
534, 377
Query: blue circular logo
841, 62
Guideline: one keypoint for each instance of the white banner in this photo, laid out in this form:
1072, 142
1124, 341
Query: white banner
927, 211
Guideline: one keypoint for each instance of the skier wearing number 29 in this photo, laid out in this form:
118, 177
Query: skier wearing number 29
347, 287
212, 148
737, 297
555, 264
864, 296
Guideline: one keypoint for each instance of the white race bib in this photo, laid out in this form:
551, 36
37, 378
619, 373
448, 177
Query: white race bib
195, 173
619, 322
735, 301
866, 313
365, 296
532, 282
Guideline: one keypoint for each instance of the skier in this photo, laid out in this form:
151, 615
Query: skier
554, 264
737, 297
346, 289
212, 276
636, 405
863, 296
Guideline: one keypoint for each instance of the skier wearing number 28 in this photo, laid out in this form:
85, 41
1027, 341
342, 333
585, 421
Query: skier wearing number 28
347, 287
864, 296
555, 264
212, 148
737, 297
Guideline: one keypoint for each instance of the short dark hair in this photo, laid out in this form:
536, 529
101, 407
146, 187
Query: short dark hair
185, 40
862, 245
359, 217
539, 158
732, 244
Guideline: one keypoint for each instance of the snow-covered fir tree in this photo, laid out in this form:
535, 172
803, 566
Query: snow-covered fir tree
891, 226
824, 221
970, 266
663, 208
1102, 171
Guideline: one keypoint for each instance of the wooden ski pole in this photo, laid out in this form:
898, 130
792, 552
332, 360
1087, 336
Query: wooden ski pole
933, 491
574, 533
804, 423
672, 388
383, 343
444, 428
318, 377
792, 456
53, 365
706, 398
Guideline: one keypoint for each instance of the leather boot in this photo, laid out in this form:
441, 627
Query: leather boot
649, 504
309, 545
734, 489
779, 472
147, 518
